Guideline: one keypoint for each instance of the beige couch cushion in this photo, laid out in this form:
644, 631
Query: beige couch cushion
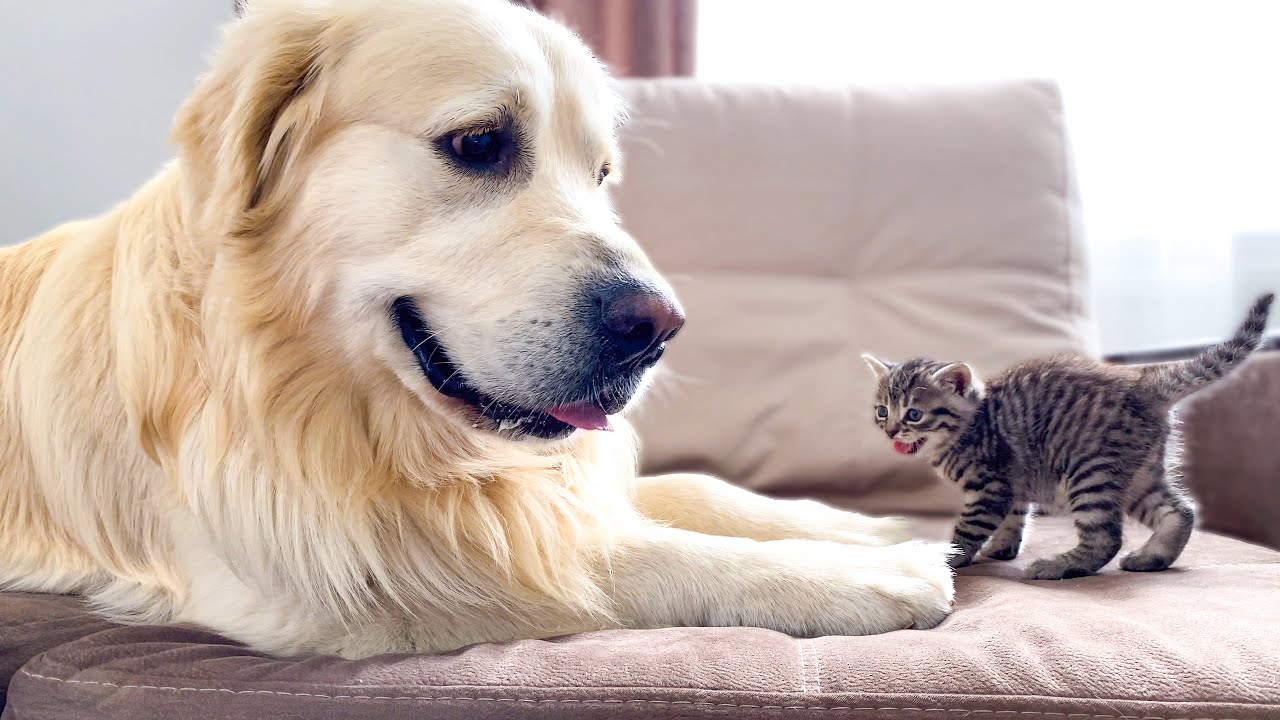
802, 227
1199, 641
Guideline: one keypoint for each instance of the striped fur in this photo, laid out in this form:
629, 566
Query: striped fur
1095, 440
1176, 380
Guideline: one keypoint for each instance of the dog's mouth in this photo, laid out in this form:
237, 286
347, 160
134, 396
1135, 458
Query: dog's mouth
502, 417
908, 448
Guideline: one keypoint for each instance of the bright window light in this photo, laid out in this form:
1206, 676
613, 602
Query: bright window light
1173, 110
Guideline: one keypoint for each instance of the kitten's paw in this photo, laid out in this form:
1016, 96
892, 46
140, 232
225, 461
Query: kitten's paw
1138, 561
1054, 568
1002, 552
959, 559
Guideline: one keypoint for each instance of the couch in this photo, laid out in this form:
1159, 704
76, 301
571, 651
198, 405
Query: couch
803, 226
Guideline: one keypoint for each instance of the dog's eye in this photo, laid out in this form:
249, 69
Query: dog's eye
604, 173
882, 411
914, 415
480, 150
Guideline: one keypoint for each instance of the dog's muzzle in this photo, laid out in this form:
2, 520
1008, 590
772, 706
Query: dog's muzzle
627, 328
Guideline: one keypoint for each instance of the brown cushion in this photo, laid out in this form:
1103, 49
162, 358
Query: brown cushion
1232, 458
1202, 640
32, 624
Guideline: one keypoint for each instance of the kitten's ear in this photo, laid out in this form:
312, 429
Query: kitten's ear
959, 377
879, 368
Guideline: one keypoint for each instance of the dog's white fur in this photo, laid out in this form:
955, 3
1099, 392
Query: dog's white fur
207, 417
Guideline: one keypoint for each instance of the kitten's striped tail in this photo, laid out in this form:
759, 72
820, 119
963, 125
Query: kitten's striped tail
1176, 380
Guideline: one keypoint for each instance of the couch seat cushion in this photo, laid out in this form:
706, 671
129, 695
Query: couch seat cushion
1199, 641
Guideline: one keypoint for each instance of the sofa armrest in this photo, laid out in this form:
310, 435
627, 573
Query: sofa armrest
1142, 357
1232, 451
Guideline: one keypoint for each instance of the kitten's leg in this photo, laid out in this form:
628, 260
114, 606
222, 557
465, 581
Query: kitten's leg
1096, 502
1007, 540
1162, 506
987, 500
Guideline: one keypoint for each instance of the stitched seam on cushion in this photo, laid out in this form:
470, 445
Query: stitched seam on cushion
605, 701
817, 665
70, 620
804, 669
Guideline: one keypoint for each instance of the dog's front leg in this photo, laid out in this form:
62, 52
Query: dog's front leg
662, 576
709, 505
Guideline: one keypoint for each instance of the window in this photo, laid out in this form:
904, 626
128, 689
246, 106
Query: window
1173, 110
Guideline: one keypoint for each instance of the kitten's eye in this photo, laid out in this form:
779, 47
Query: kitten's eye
882, 411
483, 150
914, 415
604, 173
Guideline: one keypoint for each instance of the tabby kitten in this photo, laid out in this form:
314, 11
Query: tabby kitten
1088, 437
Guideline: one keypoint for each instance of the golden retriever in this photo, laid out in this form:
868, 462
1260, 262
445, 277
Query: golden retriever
341, 377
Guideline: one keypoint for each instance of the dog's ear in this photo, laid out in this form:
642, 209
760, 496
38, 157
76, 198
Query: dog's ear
249, 119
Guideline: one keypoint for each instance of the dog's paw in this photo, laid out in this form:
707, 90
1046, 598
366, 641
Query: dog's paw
854, 529
931, 563
890, 530
917, 586
812, 520
836, 589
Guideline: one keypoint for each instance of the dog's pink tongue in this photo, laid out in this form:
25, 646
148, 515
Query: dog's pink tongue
904, 448
587, 416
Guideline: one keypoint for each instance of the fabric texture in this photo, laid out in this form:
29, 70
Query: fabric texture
1199, 641
32, 624
635, 38
804, 226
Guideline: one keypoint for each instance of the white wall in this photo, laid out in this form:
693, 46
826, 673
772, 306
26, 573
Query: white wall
87, 91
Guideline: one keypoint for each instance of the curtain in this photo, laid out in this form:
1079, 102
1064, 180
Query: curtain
635, 38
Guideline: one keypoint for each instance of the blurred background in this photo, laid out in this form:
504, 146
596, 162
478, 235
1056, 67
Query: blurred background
1173, 109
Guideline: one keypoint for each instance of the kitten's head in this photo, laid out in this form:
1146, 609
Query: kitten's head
922, 403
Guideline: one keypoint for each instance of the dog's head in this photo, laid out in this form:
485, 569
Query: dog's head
423, 183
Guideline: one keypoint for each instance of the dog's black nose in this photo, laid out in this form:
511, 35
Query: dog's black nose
638, 321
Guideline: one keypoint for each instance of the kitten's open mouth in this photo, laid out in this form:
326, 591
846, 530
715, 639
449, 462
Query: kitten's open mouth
908, 448
447, 378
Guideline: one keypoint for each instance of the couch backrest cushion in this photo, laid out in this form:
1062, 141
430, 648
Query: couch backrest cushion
803, 226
